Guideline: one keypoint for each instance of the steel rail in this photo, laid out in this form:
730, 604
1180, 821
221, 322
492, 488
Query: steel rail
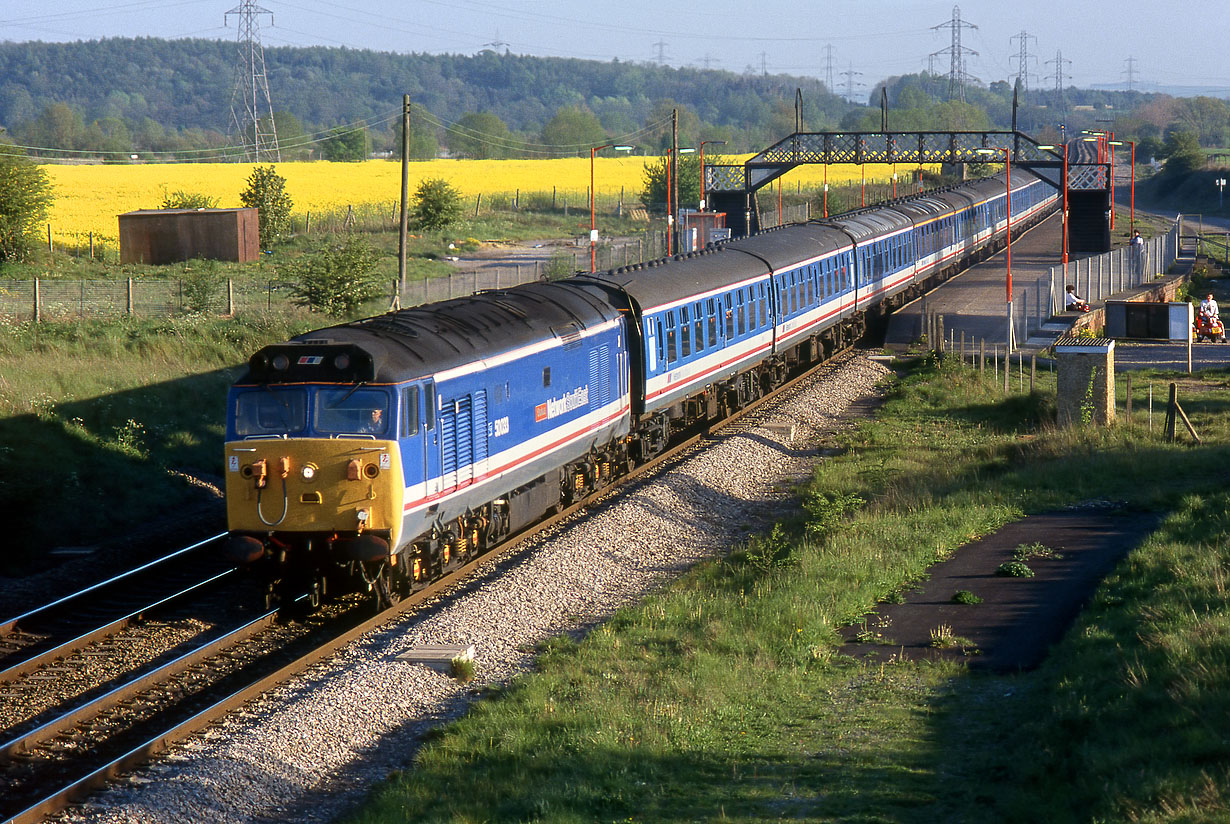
123, 692
67, 648
7, 625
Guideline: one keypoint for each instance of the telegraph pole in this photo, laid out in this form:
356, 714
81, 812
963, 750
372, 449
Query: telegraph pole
403, 232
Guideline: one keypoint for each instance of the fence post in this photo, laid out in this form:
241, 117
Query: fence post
50, 248
38, 308
230, 297
128, 308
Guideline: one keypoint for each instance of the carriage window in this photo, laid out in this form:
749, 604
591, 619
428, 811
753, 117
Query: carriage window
685, 331
713, 327
764, 307
742, 316
672, 353
730, 320
661, 343
410, 411
270, 412
698, 315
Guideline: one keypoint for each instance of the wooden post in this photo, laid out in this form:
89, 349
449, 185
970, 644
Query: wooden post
1033, 371
1170, 416
478, 202
38, 309
91, 245
1127, 406
230, 297
939, 336
962, 347
128, 310
50, 248
982, 357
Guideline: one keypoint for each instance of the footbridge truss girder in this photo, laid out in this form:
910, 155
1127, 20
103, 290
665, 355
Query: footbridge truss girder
900, 147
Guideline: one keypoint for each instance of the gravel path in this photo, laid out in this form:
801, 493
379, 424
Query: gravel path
311, 750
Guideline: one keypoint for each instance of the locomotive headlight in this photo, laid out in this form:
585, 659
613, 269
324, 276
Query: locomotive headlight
281, 362
308, 472
341, 361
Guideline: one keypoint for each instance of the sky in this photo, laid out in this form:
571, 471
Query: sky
1154, 44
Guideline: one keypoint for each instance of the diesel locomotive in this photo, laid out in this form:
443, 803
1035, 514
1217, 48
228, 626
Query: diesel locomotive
384, 452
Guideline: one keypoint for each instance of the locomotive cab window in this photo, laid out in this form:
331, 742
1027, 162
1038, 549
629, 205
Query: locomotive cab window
270, 412
351, 411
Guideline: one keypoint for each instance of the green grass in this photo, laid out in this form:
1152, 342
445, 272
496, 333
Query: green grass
726, 696
98, 419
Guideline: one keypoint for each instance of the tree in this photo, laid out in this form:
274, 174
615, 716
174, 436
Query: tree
336, 279
1183, 153
25, 199
573, 131
423, 142
654, 193
266, 192
437, 205
480, 136
345, 144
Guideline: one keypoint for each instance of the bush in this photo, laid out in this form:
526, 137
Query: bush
266, 192
437, 205
336, 279
25, 200
188, 200
201, 281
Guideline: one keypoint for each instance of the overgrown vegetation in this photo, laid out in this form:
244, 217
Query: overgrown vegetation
25, 198
728, 695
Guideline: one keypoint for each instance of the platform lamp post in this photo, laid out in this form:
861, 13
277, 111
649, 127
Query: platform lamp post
704, 203
672, 199
1008, 230
593, 195
1063, 254
1131, 186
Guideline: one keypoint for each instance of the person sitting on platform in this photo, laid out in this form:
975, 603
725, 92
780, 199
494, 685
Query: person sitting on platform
1072, 302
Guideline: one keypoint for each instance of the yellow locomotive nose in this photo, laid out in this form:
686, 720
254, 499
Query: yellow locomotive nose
330, 488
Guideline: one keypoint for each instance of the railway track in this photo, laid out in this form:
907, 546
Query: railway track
63, 758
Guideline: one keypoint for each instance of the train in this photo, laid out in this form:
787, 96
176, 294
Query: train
382, 453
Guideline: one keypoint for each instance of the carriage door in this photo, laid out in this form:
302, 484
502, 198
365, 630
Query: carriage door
431, 439
413, 452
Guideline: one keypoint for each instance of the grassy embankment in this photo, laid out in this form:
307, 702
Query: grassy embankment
97, 416
726, 696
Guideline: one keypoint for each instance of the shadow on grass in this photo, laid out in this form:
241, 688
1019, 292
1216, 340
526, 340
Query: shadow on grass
85, 471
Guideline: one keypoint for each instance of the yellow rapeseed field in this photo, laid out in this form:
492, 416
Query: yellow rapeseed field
89, 197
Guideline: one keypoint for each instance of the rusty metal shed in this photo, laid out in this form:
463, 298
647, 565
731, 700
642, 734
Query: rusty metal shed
160, 236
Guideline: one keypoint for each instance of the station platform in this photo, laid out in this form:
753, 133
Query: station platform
974, 303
